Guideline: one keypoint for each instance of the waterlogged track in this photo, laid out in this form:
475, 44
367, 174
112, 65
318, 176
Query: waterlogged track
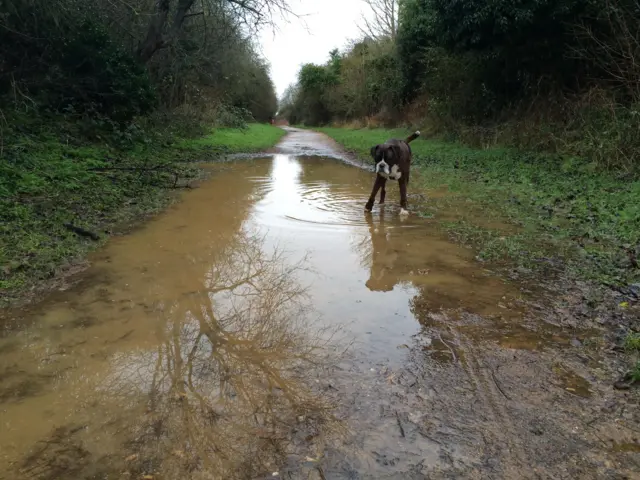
265, 327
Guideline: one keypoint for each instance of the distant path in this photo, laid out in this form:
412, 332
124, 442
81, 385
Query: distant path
301, 142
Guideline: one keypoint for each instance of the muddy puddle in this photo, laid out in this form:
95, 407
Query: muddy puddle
265, 327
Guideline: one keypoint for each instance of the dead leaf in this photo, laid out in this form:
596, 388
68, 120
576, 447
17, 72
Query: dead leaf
179, 453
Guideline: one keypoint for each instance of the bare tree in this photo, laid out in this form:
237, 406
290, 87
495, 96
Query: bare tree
611, 42
385, 19
162, 31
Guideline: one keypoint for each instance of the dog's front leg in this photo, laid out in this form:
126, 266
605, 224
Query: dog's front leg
402, 183
383, 190
376, 186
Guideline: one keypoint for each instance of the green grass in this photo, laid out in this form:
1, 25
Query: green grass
634, 374
632, 346
632, 342
565, 209
45, 183
255, 138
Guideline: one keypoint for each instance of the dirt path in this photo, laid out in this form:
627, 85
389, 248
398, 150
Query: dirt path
266, 328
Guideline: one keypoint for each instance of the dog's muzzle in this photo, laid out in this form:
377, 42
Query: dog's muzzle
382, 168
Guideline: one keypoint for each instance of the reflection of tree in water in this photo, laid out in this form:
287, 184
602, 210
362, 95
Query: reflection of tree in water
232, 377
228, 392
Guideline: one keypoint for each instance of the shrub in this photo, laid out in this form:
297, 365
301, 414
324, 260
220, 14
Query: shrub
69, 65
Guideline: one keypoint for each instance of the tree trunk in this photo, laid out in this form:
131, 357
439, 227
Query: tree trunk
156, 37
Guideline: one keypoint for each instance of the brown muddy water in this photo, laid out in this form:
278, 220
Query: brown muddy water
265, 327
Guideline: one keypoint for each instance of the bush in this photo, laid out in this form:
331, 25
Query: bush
97, 76
362, 82
73, 67
233, 117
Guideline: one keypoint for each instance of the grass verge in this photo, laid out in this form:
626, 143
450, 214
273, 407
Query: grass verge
59, 200
568, 213
256, 138
632, 347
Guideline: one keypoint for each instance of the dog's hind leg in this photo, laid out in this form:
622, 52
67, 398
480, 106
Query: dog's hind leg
383, 190
372, 198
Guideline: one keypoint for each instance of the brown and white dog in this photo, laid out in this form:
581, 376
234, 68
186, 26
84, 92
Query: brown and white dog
393, 162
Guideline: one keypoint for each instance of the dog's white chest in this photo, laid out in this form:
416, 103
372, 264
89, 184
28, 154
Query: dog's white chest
395, 173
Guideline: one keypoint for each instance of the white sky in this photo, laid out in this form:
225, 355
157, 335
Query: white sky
329, 24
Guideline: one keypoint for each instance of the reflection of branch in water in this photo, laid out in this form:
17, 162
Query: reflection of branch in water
235, 371
57, 456
363, 245
453, 353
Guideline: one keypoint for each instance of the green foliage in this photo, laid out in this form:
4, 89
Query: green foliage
362, 82
75, 68
314, 81
67, 56
369, 82
213, 64
100, 76
517, 43
415, 34
252, 94
289, 105
232, 117
634, 374
487, 24
632, 342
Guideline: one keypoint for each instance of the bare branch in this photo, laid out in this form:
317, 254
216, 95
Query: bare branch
385, 19
252, 13
616, 50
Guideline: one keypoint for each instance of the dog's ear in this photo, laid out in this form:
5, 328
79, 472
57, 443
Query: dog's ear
374, 151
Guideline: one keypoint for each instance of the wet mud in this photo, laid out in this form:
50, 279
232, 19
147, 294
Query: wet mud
266, 327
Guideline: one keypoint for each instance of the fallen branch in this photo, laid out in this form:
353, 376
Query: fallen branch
495, 380
400, 424
157, 168
82, 232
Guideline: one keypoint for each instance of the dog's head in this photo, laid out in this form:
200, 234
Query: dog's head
386, 159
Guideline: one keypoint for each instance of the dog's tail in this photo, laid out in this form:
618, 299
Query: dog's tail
413, 136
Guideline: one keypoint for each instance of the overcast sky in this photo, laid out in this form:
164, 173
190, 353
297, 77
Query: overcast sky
329, 24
